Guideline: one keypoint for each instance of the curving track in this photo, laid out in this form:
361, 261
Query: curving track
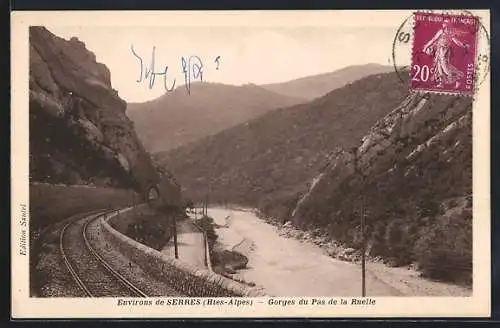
94, 276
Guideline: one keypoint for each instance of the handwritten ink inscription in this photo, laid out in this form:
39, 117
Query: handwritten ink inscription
191, 68
150, 73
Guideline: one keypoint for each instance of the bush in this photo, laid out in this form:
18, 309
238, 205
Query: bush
50, 204
151, 230
378, 245
206, 223
444, 251
399, 242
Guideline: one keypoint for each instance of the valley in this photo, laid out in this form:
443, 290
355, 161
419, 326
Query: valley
333, 167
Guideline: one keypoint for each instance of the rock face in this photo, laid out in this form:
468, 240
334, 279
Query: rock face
79, 132
411, 178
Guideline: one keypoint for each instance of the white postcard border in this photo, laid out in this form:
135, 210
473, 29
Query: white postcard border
478, 305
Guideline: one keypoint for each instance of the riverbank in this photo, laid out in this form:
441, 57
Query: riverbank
289, 262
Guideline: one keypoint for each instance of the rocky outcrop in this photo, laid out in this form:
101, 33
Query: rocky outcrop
79, 132
411, 178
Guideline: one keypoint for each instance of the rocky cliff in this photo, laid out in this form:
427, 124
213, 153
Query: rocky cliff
411, 178
79, 132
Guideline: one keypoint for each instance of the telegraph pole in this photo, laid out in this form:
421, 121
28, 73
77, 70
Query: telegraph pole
363, 234
133, 202
174, 226
363, 250
176, 248
206, 204
168, 212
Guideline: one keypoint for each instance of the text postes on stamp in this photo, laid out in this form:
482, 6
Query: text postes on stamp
444, 53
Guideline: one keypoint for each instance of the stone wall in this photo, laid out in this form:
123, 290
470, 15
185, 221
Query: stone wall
185, 278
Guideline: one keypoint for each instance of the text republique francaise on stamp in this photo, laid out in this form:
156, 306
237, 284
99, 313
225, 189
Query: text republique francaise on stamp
444, 53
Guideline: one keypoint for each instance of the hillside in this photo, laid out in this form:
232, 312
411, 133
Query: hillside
177, 118
312, 87
269, 161
411, 176
79, 133
403, 159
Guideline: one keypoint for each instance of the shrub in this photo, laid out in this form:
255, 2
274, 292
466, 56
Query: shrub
151, 230
378, 246
206, 223
398, 242
444, 251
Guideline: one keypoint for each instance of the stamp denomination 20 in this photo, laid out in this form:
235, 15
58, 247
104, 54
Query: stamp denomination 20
444, 53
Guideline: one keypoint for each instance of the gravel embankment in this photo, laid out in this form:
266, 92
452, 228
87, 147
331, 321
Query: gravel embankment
52, 277
54, 280
127, 268
97, 279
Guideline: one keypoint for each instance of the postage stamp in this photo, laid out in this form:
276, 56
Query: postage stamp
444, 53
173, 165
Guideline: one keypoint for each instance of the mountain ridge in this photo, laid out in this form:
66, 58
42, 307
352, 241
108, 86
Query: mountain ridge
300, 137
177, 118
314, 86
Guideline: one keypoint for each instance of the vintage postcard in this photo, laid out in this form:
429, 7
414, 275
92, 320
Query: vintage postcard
250, 164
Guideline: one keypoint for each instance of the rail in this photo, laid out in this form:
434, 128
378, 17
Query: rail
112, 272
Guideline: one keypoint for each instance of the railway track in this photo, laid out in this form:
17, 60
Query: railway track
93, 275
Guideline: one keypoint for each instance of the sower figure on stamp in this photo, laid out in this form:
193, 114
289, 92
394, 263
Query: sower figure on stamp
441, 47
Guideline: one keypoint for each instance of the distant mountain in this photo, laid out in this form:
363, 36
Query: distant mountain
177, 118
312, 87
269, 161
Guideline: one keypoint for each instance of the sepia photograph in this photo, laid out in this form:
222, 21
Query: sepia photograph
240, 161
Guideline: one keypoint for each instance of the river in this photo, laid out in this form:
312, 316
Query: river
284, 266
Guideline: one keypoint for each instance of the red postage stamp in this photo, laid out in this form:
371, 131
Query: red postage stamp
444, 53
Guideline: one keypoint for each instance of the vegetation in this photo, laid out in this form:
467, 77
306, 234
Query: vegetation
311, 87
417, 208
414, 192
229, 261
177, 118
206, 224
79, 133
444, 250
223, 261
150, 224
269, 161
151, 229
52, 203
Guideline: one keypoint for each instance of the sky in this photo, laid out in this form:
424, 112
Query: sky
235, 55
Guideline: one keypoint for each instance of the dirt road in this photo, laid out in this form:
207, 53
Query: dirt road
191, 244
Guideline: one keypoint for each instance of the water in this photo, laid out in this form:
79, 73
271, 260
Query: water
288, 267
